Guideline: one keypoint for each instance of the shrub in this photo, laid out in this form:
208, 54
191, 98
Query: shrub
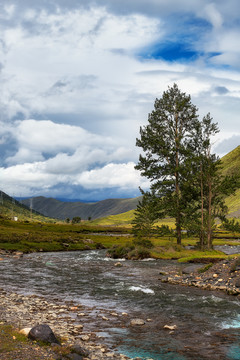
119, 252
139, 253
146, 243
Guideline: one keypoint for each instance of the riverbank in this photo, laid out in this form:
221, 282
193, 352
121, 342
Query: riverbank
223, 275
82, 296
68, 322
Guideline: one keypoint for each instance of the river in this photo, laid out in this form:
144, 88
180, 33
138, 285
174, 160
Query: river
208, 323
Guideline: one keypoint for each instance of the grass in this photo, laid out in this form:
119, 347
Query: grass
10, 339
35, 236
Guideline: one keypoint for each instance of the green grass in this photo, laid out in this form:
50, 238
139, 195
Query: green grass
116, 220
36, 236
10, 339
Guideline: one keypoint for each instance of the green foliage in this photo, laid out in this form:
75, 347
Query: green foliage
76, 220
146, 243
145, 216
231, 225
205, 268
139, 253
165, 144
120, 252
164, 230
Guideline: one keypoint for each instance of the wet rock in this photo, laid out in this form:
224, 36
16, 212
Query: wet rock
25, 331
192, 268
84, 337
43, 333
118, 264
137, 322
170, 327
73, 357
79, 350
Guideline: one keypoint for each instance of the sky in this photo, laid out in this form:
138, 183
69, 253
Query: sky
78, 79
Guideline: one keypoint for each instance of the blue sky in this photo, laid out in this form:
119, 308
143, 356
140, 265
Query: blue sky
78, 79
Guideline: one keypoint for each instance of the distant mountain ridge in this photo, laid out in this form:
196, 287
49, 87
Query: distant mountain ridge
55, 208
61, 210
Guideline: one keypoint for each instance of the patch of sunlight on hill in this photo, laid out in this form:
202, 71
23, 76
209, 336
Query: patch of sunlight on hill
233, 202
120, 219
125, 219
231, 162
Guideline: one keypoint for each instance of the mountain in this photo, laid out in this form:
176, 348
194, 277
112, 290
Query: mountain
62, 210
11, 208
54, 208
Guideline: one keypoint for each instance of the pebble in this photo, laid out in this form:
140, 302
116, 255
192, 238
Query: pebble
25, 311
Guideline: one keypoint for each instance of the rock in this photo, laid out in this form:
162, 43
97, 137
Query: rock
84, 337
73, 357
192, 268
43, 333
25, 331
237, 283
215, 276
79, 350
170, 327
137, 322
118, 264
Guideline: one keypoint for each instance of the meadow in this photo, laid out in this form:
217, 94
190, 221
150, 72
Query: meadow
27, 236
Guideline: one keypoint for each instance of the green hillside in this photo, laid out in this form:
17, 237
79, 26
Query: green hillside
13, 209
231, 166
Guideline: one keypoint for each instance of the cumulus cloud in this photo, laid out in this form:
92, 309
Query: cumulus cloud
79, 78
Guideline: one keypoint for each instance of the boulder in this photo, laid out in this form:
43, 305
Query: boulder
43, 333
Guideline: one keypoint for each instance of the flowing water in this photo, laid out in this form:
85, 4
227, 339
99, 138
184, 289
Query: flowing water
208, 323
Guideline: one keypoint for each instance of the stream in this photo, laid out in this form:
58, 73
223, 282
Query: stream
208, 323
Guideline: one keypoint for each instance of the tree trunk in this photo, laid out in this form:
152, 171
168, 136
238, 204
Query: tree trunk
202, 213
209, 222
178, 214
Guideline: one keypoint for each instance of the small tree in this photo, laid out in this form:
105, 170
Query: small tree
145, 217
76, 220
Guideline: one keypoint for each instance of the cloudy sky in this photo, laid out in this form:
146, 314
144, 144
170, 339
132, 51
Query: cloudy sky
79, 77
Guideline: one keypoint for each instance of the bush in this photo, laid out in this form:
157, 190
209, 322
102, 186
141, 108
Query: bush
120, 252
143, 242
139, 253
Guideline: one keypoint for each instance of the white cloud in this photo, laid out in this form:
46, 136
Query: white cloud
85, 68
214, 16
111, 175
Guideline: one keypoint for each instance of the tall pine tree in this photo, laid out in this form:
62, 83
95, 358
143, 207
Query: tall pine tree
165, 142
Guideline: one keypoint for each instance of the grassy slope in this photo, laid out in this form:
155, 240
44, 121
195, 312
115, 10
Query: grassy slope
231, 166
12, 208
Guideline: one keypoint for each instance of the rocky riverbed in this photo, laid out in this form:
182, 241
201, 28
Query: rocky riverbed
67, 320
223, 275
